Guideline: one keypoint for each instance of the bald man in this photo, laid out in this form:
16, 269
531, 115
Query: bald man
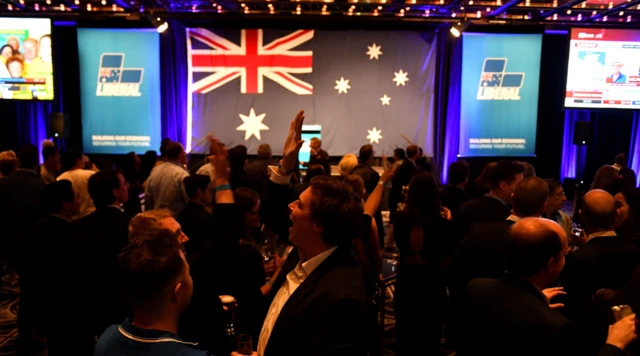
605, 261
511, 315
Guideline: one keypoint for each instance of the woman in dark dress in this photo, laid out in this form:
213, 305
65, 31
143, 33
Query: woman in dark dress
252, 279
420, 232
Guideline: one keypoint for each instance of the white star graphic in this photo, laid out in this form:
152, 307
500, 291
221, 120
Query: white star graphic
374, 51
252, 125
400, 78
342, 85
374, 135
385, 100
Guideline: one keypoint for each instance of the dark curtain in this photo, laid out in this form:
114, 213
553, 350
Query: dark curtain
449, 76
174, 79
27, 121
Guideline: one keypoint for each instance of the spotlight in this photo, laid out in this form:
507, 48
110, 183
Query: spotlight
579, 17
158, 23
454, 31
457, 29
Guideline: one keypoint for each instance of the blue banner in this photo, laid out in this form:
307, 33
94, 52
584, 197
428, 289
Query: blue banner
499, 99
120, 90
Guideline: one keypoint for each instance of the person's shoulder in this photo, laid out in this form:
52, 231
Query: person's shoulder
206, 169
106, 340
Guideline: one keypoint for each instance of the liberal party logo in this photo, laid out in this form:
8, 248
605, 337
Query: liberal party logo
115, 80
496, 83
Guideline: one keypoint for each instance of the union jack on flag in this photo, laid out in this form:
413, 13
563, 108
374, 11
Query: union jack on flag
251, 61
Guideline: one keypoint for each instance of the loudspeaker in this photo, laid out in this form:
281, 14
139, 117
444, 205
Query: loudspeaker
58, 125
582, 133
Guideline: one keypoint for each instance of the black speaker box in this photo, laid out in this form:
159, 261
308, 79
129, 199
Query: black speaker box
58, 125
582, 133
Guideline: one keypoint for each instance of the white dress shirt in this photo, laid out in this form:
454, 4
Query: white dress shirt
165, 189
293, 281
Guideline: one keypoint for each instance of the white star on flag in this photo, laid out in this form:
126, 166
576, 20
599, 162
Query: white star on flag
342, 85
400, 78
252, 125
385, 100
374, 135
374, 51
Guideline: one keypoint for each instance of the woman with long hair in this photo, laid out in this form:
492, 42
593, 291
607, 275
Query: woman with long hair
627, 204
420, 232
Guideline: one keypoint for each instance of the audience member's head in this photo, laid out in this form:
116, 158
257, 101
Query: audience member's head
556, 196
604, 177
504, 177
621, 159
534, 249
530, 197
61, 199
357, 184
366, 154
163, 148
154, 276
247, 202
156, 219
347, 163
46, 143
51, 158
328, 213
72, 159
629, 176
315, 144
484, 180
598, 211
8, 163
458, 173
423, 201
529, 170
197, 188
237, 158
176, 153
398, 154
368, 176
627, 205
28, 157
264, 151
108, 187
314, 170
413, 152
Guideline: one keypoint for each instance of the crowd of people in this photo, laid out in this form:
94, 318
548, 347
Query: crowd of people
160, 257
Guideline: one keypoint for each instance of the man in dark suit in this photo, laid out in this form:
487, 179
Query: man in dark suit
512, 316
194, 219
320, 305
494, 206
454, 195
605, 261
51, 252
480, 254
318, 155
258, 169
402, 177
101, 236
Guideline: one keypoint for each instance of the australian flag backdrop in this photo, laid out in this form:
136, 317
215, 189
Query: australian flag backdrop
360, 86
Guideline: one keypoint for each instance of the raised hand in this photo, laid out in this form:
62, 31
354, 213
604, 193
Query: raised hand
387, 175
219, 159
293, 143
622, 333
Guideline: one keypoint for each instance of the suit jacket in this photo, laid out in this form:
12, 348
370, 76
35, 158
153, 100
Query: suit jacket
258, 173
485, 209
479, 255
327, 314
20, 209
453, 197
99, 237
322, 158
509, 316
196, 223
401, 177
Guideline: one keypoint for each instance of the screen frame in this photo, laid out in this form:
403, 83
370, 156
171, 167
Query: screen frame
566, 77
54, 53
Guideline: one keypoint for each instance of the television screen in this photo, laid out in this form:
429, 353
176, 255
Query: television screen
26, 71
308, 132
604, 69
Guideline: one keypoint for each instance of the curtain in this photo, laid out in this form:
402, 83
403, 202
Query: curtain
634, 149
173, 70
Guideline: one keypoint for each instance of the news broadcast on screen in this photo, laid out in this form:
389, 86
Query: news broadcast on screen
26, 70
604, 69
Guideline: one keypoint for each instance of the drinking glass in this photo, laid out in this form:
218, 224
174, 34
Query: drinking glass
229, 302
245, 344
266, 249
621, 311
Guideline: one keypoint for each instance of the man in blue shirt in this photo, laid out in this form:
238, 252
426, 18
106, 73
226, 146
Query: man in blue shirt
154, 275
617, 76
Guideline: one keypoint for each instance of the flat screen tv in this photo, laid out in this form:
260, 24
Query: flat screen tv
604, 69
26, 69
